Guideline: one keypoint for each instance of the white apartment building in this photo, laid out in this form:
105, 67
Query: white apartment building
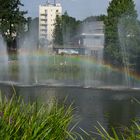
47, 18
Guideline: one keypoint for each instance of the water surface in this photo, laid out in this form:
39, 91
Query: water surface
110, 107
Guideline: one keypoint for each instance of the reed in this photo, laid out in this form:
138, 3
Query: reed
26, 121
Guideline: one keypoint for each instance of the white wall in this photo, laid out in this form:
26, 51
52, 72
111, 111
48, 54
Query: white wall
47, 18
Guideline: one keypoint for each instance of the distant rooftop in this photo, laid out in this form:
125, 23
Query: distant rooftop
95, 27
52, 4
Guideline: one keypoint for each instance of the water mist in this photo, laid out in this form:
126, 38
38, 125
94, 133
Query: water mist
28, 59
127, 29
3, 60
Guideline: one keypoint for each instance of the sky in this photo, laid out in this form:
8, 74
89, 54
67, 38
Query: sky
80, 9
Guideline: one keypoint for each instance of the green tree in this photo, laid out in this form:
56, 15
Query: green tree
65, 29
11, 20
69, 27
129, 32
95, 18
116, 10
58, 35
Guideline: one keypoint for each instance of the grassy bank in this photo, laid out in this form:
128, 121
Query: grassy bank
51, 121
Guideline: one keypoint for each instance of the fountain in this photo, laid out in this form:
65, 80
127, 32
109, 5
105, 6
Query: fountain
28, 59
3, 60
99, 90
128, 29
40, 68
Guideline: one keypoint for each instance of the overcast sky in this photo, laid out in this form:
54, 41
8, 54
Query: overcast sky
76, 8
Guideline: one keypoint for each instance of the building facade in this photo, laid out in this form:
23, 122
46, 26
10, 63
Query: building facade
92, 38
47, 18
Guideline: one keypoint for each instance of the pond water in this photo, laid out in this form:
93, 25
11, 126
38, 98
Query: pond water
110, 107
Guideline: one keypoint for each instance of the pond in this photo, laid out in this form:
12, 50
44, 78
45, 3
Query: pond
109, 107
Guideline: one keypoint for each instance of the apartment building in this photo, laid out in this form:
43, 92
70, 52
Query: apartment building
47, 18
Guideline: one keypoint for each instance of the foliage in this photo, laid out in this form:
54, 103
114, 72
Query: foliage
11, 20
129, 32
128, 133
69, 27
65, 29
58, 33
19, 120
95, 18
116, 10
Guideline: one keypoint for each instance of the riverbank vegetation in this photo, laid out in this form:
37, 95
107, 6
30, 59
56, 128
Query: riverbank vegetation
21, 121
124, 133
51, 121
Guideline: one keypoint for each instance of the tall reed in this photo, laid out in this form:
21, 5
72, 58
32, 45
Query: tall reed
26, 121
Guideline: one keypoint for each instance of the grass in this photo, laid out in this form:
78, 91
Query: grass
21, 121
125, 133
51, 121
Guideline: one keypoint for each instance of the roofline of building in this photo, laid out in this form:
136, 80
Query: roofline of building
52, 4
86, 34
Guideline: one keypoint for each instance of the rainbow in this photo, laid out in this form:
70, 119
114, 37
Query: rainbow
131, 74
92, 61
89, 61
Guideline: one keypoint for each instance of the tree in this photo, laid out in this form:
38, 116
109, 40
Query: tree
95, 18
129, 32
11, 20
65, 29
69, 27
116, 10
58, 35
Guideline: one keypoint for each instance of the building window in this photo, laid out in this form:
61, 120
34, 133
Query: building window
43, 25
44, 30
97, 37
43, 14
43, 35
43, 19
99, 29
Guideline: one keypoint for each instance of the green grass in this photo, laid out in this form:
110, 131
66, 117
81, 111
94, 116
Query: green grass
125, 133
21, 121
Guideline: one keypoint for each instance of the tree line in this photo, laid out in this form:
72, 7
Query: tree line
66, 28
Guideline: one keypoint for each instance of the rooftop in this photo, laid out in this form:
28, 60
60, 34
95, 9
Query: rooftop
52, 4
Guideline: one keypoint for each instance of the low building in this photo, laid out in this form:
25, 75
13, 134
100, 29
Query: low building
91, 39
